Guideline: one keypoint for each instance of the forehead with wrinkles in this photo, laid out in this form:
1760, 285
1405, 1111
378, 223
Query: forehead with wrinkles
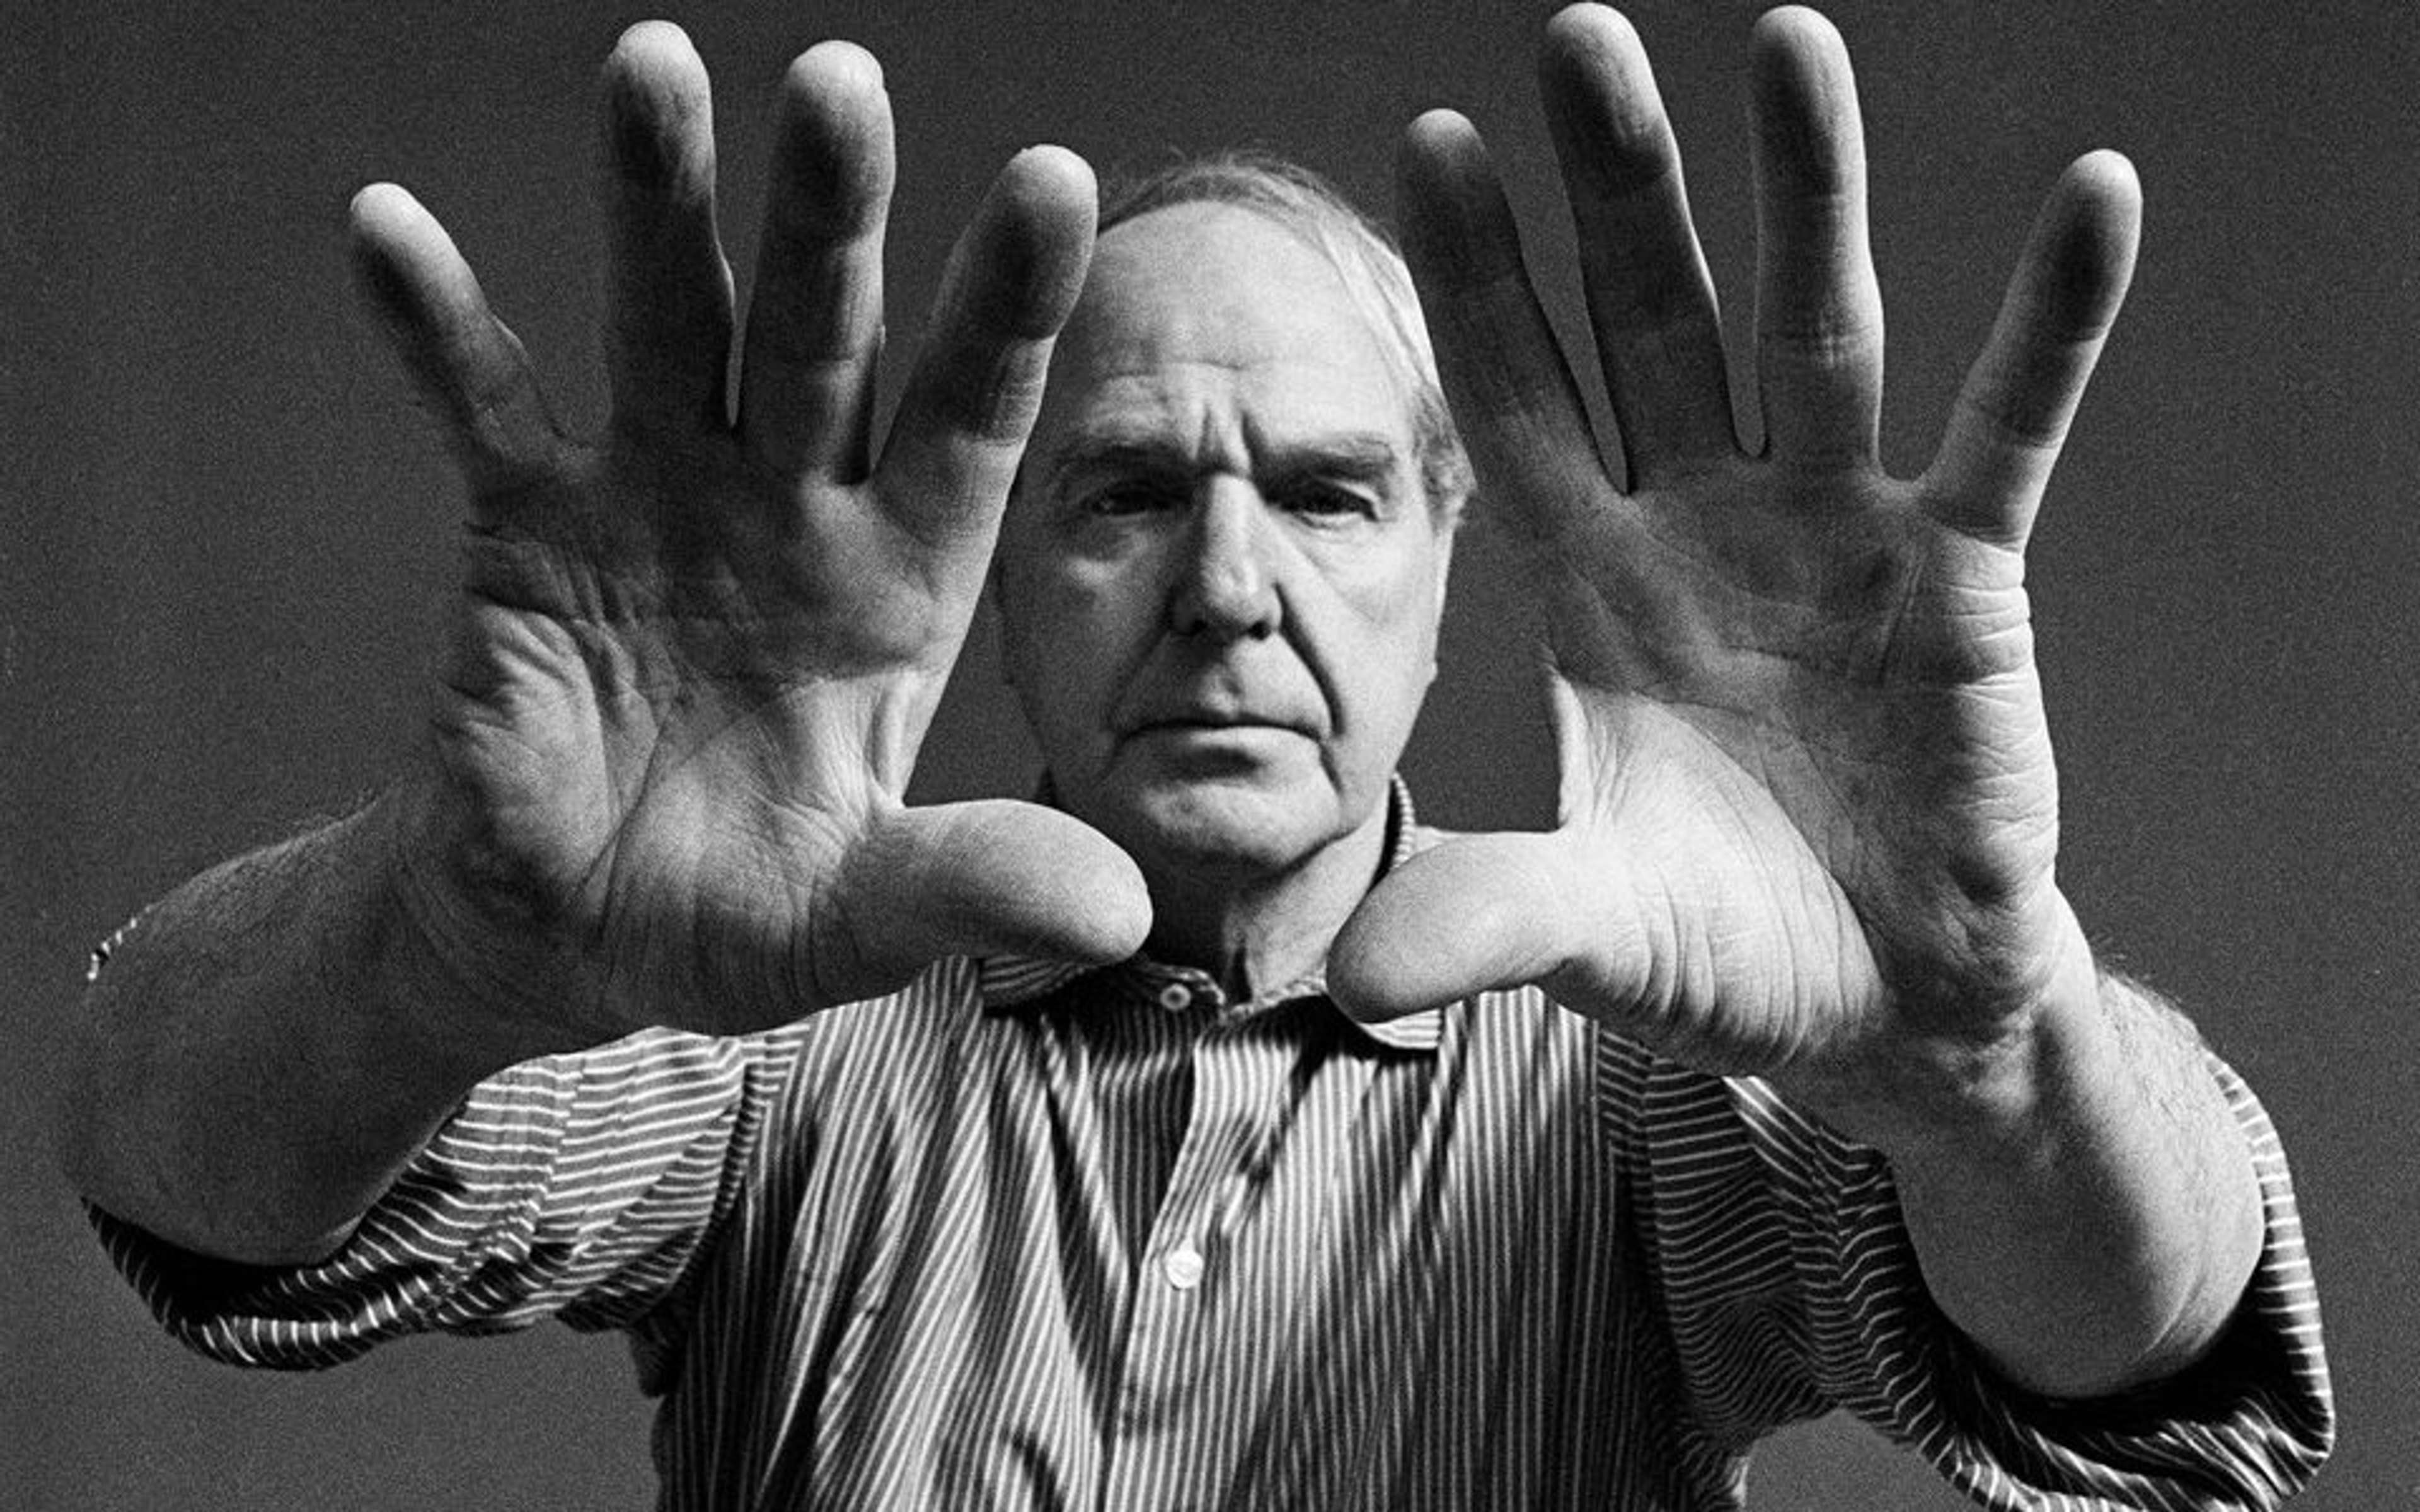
1200, 314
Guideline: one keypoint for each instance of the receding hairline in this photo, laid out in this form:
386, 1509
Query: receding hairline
1357, 248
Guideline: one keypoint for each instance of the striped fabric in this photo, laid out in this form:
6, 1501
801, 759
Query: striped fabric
1024, 1238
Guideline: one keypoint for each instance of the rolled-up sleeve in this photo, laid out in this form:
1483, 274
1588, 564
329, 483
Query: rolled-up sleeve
1843, 1319
576, 1186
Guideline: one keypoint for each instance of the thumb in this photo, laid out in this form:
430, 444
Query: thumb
1484, 912
983, 878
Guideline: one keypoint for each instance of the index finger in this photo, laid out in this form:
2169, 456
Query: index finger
961, 427
1514, 398
2011, 416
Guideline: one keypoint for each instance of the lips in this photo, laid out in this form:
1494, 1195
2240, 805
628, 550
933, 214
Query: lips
1216, 714
1220, 698
1191, 719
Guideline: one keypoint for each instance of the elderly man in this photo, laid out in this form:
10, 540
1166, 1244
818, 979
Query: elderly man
1210, 1132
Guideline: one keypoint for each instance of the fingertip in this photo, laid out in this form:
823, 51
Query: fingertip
378, 221
1103, 921
1120, 920
399, 250
1602, 103
2107, 163
1803, 93
1589, 18
1441, 132
651, 43
836, 166
1055, 181
1586, 32
1441, 157
833, 102
1456, 222
1102, 910
1423, 155
379, 212
2096, 208
2091, 232
999, 875
654, 64
1795, 27
1040, 217
835, 66
1476, 913
1794, 51
657, 107
1374, 979
1443, 121
1361, 981
2107, 178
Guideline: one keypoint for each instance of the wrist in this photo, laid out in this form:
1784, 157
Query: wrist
1957, 1071
254, 1064
487, 991
2079, 1194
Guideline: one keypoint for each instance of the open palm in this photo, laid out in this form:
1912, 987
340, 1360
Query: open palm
1808, 812
694, 659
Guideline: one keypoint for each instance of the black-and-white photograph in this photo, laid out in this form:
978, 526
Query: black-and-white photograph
1403, 757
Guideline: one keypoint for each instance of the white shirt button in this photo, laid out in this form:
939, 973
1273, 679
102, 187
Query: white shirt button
1183, 1267
1176, 998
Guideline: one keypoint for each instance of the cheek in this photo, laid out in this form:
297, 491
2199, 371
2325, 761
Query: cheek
1064, 639
1385, 670
1396, 605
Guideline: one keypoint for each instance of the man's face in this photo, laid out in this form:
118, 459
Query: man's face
1220, 581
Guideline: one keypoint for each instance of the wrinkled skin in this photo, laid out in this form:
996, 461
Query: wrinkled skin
1808, 814
693, 659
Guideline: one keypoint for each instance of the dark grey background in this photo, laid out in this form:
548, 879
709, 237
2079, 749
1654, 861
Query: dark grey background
226, 528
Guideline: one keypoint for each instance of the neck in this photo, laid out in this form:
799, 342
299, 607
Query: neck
1252, 928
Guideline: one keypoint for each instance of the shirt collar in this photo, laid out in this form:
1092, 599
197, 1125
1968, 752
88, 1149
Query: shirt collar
1012, 984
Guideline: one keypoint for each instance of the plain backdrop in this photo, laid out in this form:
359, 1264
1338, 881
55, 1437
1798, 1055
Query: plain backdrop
224, 527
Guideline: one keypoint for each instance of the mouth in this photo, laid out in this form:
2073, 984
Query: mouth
1211, 722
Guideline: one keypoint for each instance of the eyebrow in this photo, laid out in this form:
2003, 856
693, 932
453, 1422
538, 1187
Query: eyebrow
1356, 456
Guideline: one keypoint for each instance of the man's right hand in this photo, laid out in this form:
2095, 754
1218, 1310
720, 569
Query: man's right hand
693, 659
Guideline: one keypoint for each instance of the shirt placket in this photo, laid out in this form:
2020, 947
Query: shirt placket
1187, 1379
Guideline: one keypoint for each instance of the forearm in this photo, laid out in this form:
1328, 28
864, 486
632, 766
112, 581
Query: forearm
268, 1046
2084, 1209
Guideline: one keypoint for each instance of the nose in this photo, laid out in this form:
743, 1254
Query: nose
1227, 587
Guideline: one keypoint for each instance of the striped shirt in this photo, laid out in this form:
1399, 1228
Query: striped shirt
1026, 1237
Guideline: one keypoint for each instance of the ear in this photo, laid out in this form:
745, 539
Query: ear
1446, 532
1441, 528
1446, 525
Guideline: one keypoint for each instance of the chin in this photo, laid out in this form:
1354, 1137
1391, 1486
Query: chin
1228, 827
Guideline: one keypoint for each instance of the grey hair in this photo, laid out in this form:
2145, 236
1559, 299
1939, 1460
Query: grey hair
1363, 255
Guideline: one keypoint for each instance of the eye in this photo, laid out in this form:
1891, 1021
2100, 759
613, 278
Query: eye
1127, 497
1329, 500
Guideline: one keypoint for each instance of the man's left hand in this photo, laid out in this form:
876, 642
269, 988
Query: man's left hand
1808, 815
